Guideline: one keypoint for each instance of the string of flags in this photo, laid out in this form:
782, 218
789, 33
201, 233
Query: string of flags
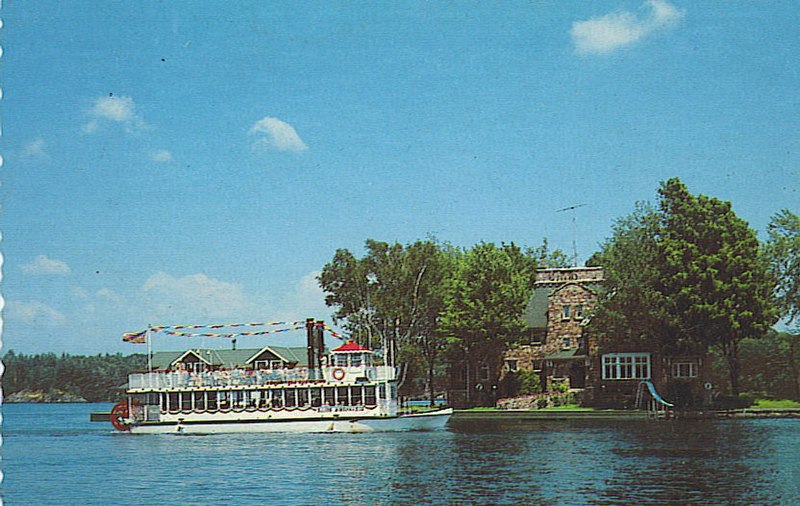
175, 330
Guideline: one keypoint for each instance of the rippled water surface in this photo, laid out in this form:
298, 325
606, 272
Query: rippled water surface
52, 454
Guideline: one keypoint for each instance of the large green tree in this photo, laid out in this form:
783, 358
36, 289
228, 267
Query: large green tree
391, 298
689, 273
714, 273
485, 300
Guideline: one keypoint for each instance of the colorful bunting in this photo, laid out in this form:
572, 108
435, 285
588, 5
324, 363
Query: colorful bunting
175, 330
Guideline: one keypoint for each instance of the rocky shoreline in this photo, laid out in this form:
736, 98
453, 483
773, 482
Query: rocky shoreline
53, 395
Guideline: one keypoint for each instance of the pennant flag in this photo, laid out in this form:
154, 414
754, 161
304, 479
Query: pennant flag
135, 337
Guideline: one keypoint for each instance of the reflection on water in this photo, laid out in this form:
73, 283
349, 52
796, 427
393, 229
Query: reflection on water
55, 456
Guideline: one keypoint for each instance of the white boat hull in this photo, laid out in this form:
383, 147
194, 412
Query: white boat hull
434, 420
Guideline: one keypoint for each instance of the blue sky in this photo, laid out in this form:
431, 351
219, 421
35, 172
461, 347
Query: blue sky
199, 162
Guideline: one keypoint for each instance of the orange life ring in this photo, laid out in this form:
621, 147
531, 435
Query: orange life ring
338, 374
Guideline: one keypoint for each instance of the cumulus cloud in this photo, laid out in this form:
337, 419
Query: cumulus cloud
34, 149
605, 34
274, 134
195, 296
111, 109
33, 312
42, 264
161, 155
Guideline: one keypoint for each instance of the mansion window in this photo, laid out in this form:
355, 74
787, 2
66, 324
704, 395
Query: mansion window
511, 365
566, 343
579, 312
565, 312
483, 372
685, 369
623, 366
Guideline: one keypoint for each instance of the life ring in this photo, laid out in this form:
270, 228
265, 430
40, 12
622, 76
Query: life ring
338, 374
120, 414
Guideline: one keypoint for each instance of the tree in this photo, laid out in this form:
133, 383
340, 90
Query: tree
391, 298
783, 252
714, 273
633, 307
689, 274
485, 300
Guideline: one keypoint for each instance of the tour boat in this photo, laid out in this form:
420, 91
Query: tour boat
270, 389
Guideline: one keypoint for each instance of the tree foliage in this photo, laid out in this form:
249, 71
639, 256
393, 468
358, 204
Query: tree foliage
783, 252
485, 300
714, 272
688, 274
96, 378
391, 298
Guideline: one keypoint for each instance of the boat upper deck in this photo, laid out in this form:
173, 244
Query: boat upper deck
243, 378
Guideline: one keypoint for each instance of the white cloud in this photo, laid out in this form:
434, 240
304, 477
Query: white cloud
275, 134
34, 149
605, 34
33, 312
113, 109
42, 264
161, 155
195, 296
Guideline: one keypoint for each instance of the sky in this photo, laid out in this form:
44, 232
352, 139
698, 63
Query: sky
200, 162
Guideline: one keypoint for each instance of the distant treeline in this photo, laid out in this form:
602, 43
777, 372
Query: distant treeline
96, 378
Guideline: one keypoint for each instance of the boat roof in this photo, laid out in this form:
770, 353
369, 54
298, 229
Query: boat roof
350, 346
232, 358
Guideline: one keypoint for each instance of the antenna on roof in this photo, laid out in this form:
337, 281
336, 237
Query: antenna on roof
574, 231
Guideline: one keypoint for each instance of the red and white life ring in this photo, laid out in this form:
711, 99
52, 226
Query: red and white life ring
338, 374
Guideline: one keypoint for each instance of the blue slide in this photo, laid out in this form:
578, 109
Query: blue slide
655, 394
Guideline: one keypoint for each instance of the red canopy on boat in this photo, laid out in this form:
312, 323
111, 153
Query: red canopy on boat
351, 346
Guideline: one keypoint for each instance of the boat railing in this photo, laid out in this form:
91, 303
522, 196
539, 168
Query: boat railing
210, 379
233, 378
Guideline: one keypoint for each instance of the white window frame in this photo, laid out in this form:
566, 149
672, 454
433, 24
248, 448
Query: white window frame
579, 312
684, 369
483, 372
626, 366
565, 311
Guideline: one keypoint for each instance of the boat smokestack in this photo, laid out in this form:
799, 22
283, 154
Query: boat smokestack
311, 353
319, 342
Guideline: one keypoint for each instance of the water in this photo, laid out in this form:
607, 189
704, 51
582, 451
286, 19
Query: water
52, 454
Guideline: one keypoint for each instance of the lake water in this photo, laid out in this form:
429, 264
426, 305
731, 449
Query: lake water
52, 454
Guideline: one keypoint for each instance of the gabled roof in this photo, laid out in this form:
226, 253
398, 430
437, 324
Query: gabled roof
230, 358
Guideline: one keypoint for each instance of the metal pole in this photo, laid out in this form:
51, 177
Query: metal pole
149, 350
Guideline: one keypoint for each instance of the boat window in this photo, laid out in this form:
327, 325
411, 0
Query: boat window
211, 401
238, 398
355, 396
290, 397
340, 360
200, 401
172, 402
356, 359
224, 399
369, 396
302, 397
316, 397
277, 398
341, 396
330, 399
